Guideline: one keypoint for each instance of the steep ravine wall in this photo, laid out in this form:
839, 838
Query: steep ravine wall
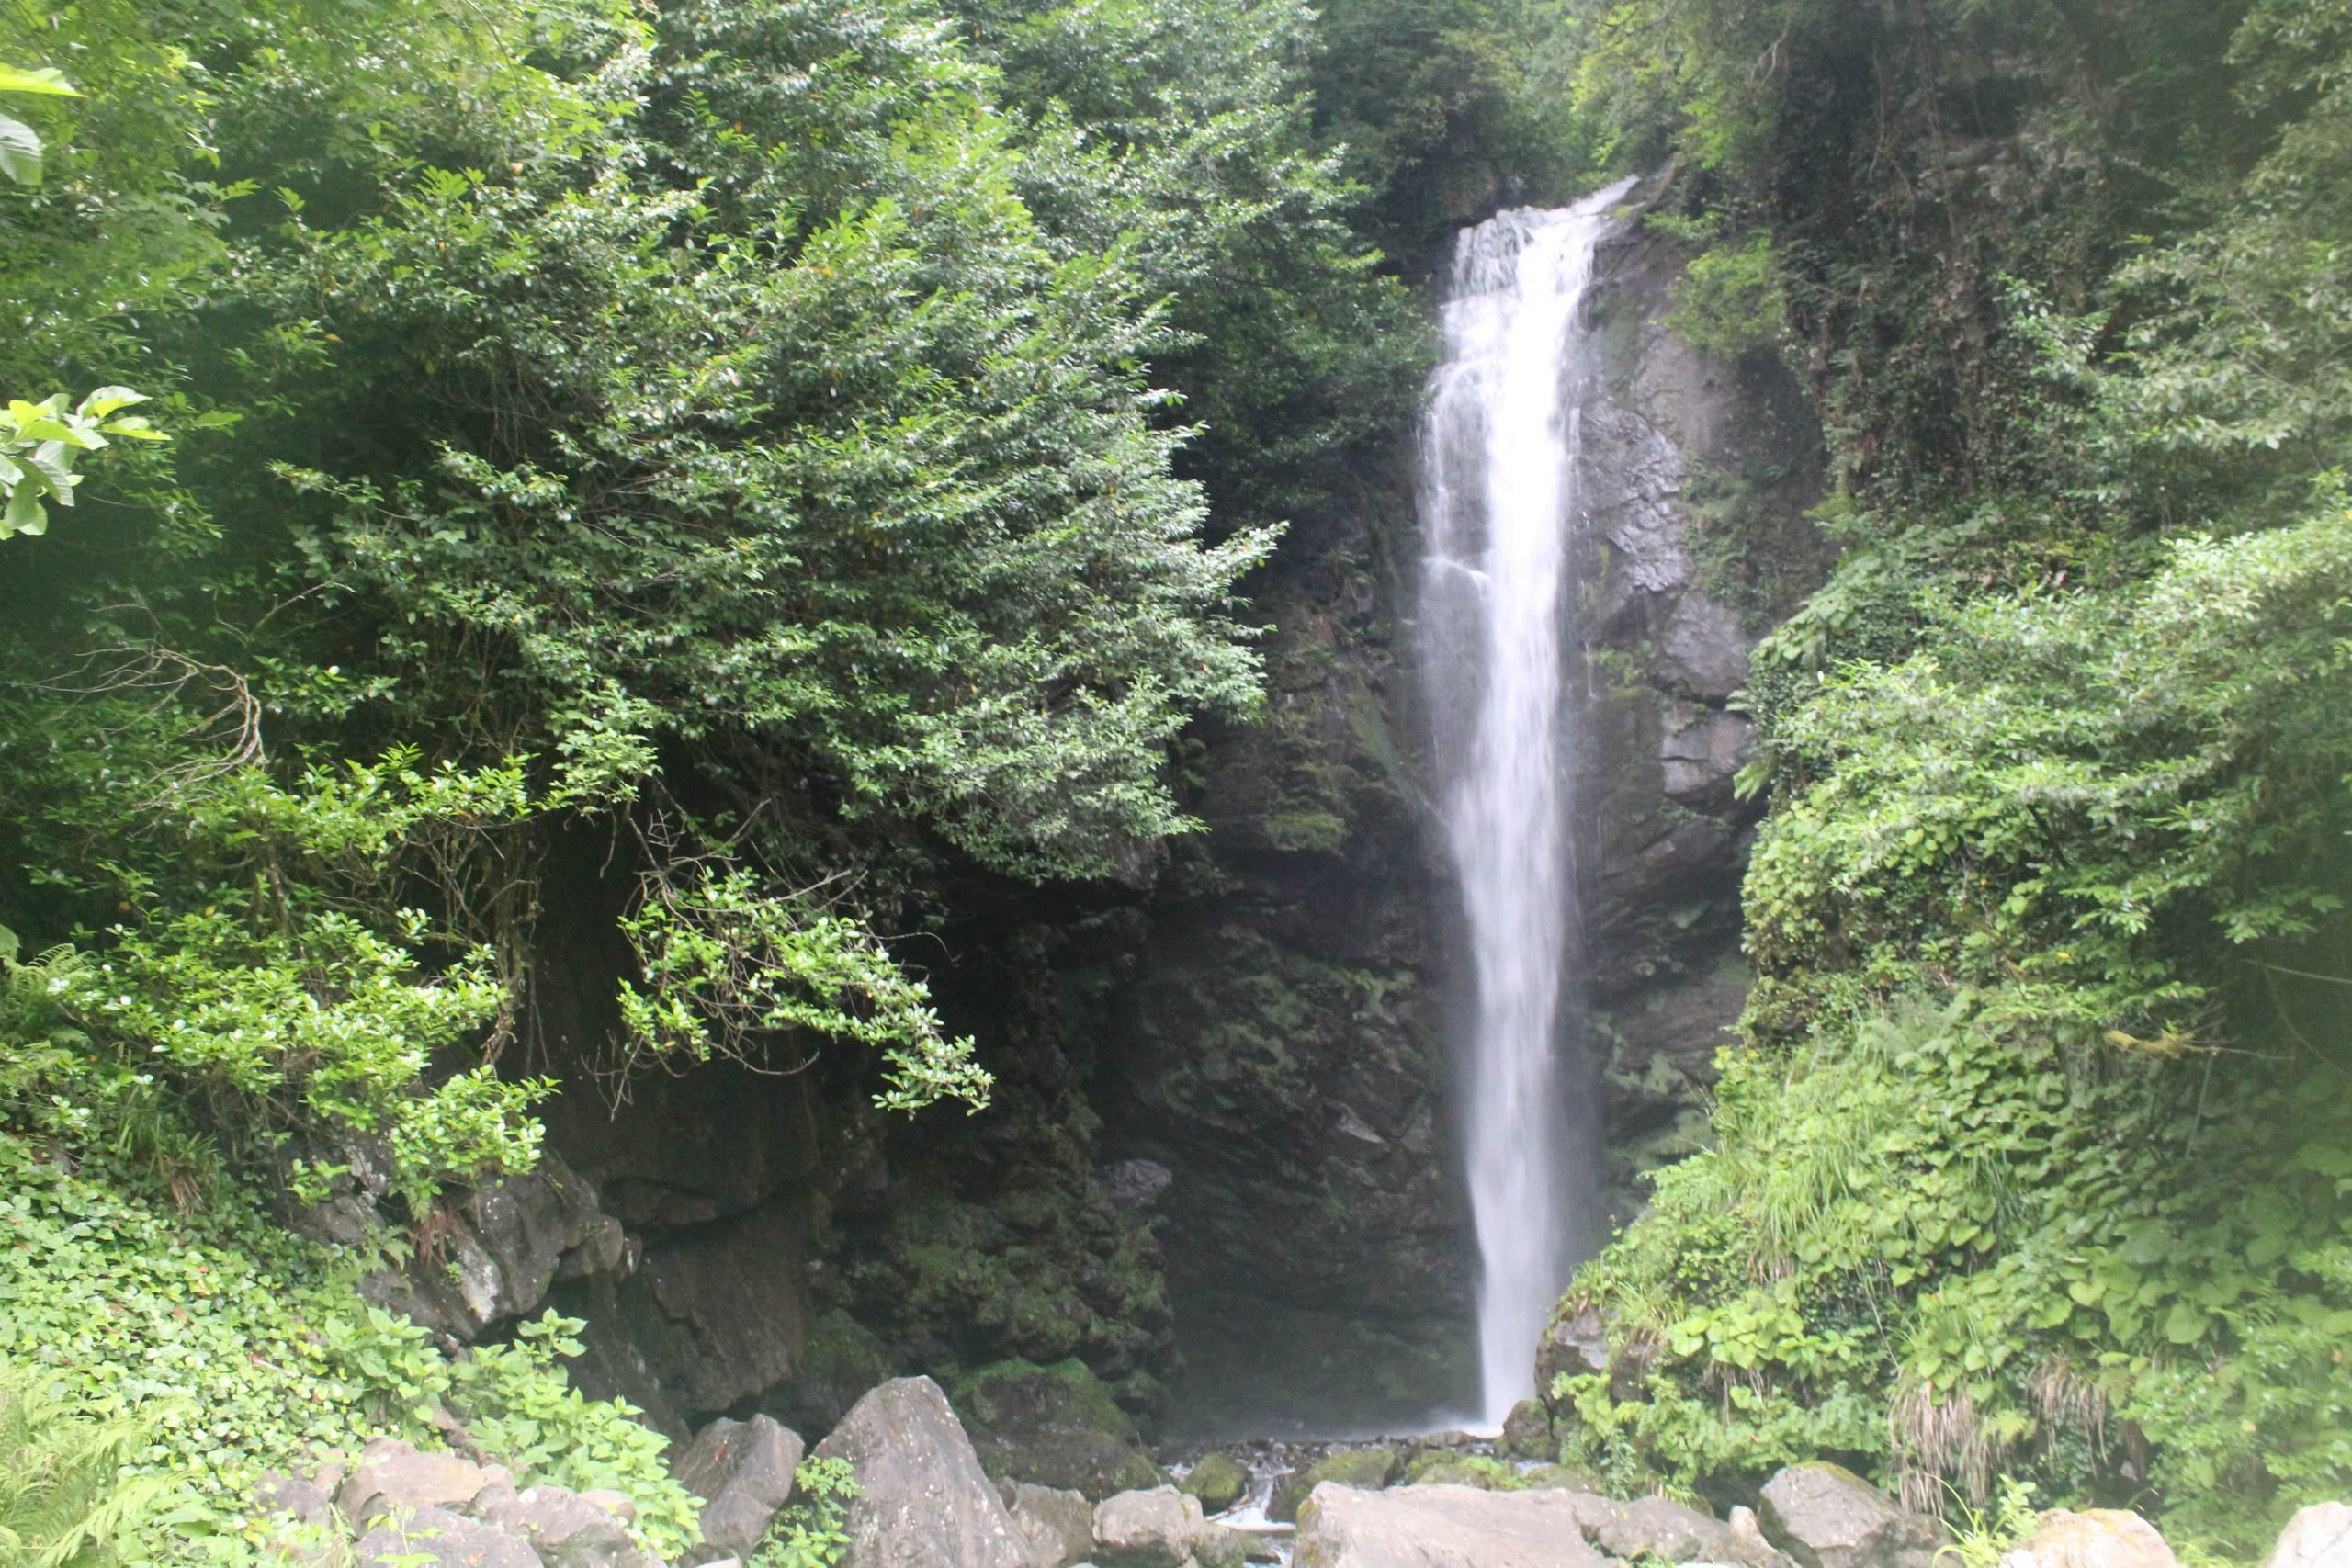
1219, 1171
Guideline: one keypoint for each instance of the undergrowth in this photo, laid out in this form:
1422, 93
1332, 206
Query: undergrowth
180, 1343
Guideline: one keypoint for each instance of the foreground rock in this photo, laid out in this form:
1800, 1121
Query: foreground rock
435, 1538
1442, 1527
2317, 1537
1161, 1528
923, 1501
392, 1475
564, 1528
2097, 1538
742, 1472
1058, 1525
1826, 1517
1653, 1526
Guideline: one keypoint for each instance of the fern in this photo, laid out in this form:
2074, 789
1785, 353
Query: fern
64, 1498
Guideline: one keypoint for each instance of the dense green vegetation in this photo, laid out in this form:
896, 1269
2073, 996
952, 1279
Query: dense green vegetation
776, 457
2032, 1157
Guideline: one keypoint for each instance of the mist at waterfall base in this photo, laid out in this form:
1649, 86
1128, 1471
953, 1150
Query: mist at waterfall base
1498, 506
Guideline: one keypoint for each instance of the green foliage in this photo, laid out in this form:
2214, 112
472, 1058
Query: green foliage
212, 1346
727, 965
1943, 1250
20, 144
40, 443
1986, 1534
516, 1403
1728, 301
326, 1028
64, 1502
809, 1531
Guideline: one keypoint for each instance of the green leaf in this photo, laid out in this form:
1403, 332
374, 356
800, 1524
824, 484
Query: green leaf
106, 399
2184, 1325
45, 80
19, 151
25, 514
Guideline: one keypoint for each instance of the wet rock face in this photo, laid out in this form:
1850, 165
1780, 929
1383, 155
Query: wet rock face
1695, 543
1280, 1051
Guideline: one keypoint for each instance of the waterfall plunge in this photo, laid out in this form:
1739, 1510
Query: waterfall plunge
1498, 500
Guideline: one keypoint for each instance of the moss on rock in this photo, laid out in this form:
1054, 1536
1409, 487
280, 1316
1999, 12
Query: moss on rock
1217, 1481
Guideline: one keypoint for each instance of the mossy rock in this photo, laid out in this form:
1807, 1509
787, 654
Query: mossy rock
1055, 1426
1564, 1478
1217, 1482
1440, 1467
1370, 1469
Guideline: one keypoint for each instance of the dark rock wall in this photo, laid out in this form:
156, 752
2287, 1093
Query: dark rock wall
1281, 1049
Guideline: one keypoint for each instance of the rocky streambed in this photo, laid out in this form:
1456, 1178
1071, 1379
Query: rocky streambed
924, 1499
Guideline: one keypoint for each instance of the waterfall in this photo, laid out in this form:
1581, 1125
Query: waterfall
1500, 497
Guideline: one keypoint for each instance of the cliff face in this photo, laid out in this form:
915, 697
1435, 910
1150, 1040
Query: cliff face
1220, 1171
1700, 474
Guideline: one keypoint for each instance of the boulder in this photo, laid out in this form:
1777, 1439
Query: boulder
435, 1538
1058, 1525
1369, 1468
1217, 1481
1054, 1425
306, 1500
1162, 1528
2317, 1537
393, 1474
923, 1501
1442, 1527
1826, 1517
1653, 1526
566, 1529
2096, 1538
1146, 1529
742, 1472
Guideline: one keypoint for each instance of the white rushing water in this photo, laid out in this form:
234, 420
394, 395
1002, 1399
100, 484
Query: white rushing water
1500, 497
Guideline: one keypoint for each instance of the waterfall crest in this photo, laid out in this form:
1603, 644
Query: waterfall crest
1500, 497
